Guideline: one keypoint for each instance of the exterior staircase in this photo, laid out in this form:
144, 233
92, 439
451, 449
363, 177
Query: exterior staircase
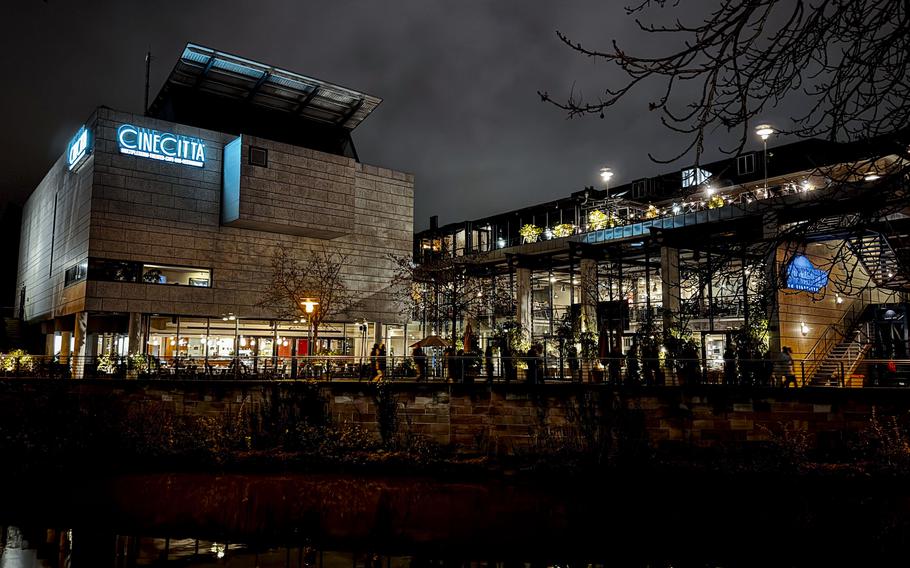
837, 368
880, 260
840, 348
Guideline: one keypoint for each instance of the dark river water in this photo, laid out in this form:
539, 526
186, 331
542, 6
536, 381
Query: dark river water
264, 521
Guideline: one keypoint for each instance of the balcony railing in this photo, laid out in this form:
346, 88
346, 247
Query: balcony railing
662, 371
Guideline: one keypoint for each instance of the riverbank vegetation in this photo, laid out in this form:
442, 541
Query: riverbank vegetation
602, 432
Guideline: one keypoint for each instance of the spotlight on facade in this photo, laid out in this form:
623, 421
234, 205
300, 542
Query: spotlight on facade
804, 329
764, 131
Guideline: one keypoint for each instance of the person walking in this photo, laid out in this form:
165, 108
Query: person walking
784, 369
488, 361
614, 366
420, 362
375, 373
448, 358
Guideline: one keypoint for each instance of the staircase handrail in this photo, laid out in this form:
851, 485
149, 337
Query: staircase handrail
833, 334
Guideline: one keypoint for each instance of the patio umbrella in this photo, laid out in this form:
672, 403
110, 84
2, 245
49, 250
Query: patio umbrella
431, 341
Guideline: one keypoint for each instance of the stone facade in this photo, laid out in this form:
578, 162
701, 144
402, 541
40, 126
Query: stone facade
128, 208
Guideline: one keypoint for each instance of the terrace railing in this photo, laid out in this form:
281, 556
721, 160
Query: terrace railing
618, 371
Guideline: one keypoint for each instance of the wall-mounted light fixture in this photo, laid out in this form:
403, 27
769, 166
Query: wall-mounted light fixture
804, 329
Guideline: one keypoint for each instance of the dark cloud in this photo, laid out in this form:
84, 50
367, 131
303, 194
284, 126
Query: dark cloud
459, 81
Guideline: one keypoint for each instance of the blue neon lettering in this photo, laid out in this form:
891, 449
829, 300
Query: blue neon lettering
165, 146
78, 148
169, 145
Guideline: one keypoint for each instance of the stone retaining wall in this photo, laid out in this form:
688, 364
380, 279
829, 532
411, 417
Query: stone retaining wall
506, 419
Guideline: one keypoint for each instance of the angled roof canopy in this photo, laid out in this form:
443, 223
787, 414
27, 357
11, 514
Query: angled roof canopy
226, 76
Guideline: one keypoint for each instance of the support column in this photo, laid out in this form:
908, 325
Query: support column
669, 281
770, 231
523, 300
771, 280
65, 337
589, 294
78, 354
134, 334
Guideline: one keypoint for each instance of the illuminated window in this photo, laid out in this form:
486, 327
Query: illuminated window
147, 273
161, 274
694, 176
75, 273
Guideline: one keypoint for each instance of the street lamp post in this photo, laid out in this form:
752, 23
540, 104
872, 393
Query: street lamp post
764, 131
605, 175
309, 307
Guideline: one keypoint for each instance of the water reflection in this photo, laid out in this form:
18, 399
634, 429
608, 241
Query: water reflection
55, 548
262, 521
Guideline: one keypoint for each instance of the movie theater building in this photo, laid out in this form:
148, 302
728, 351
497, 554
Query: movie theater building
155, 233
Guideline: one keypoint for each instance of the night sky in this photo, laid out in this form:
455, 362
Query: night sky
458, 79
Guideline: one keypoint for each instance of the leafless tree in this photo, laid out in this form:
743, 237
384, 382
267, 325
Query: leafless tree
444, 289
848, 58
316, 276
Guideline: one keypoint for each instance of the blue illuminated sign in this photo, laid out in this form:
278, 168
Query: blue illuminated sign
164, 146
801, 275
78, 148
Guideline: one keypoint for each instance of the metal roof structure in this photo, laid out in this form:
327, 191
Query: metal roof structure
205, 70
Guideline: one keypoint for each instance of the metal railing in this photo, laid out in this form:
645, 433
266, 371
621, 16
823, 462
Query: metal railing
619, 371
833, 335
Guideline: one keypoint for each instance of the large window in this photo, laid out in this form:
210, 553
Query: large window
147, 273
163, 274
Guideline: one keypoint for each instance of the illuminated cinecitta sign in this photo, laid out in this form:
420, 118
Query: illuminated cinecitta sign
78, 148
164, 146
801, 275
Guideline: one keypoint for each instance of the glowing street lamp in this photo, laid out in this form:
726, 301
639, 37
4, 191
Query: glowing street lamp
309, 306
764, 131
